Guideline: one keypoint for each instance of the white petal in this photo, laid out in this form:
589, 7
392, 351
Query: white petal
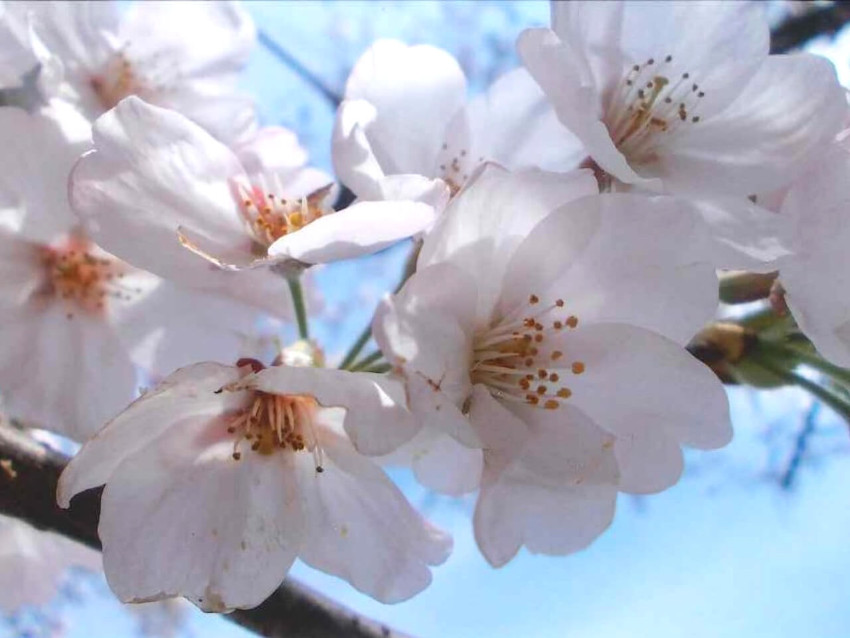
361, 229
555, 498
39, 349
482, 227
786, 115
738, 234
181, 517
273, 147
814, 277
415, 91
174, 326
376, 418
433, 192
650, 460
503, 435
426, 330
186, 395
38, 153
634, 379
439, 462
353, 158
641, 265
360, 527
76, 33
513, 124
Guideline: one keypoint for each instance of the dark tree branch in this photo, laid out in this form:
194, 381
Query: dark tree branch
29, 474
795, 31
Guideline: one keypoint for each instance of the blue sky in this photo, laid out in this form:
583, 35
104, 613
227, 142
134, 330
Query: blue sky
727, 552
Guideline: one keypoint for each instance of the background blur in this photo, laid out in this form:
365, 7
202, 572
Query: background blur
752, 542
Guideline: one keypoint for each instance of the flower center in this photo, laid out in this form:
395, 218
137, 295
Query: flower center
75, 274
455, 167
647, 103
117, 80
277, 422
270, 216
515, 358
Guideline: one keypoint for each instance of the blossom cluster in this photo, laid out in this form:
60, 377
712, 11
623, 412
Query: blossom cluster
567, 228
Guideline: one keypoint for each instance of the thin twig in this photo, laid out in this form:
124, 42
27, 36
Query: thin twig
28, 479
306, 74
800, 447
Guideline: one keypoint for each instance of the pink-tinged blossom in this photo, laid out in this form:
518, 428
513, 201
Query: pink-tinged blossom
543, 331
166, 196
683, 96
406, 122
219, 478
76, 321
180, 55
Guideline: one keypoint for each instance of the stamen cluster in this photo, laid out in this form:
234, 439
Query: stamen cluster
514, 359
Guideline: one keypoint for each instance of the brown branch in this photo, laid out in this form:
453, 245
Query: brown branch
28, 476
796, 30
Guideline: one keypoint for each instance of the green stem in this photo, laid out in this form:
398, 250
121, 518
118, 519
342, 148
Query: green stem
824, 395
367, 361
351, 355
838, 373
363, 339
298, 303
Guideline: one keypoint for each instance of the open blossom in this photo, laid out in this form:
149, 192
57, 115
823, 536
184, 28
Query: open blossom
683, 96
155, 178
543, 328
218, 479
816, 275
405, 122
33, 562
181, 55
75, 322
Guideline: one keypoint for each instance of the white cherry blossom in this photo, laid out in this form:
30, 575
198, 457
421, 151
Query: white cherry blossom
816, 275
405, 121
155, 178
180, 55
218, 479
75, 322
544, 327
682, 96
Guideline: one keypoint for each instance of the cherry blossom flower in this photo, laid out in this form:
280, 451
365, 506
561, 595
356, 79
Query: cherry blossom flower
68, 306
543, 328
682, 96
155, 177
220, 477
405, 117
34, 562
181, 55
815, 276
